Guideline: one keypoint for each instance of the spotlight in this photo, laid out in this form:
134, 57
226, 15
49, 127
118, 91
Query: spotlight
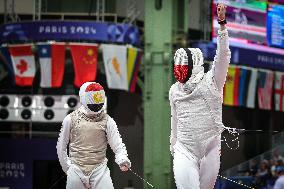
48, 101
72, 102
26, 101
4, 113
26, 114
4, 101
48, 114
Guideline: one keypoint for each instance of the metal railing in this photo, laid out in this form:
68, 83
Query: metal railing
236, 170
112, 17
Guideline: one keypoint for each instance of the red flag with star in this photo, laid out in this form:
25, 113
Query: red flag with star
85, 59
23, 64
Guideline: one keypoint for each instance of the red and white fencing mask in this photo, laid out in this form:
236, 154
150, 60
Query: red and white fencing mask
92, 96
185, 61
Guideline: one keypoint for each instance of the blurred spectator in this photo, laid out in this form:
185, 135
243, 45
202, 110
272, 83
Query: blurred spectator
277, 156
279, 184
253, 167
263, 174
273, 166
267, 172
280, 162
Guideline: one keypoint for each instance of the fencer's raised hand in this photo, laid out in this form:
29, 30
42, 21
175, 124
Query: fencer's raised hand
124, 166
221, 11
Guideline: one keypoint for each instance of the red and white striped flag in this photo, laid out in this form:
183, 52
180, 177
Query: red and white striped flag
279, 91
265, 86
23, 64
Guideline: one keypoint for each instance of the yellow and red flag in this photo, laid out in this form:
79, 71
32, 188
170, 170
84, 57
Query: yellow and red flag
231, 87
133, 64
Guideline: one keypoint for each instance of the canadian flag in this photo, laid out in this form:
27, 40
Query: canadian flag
23, 64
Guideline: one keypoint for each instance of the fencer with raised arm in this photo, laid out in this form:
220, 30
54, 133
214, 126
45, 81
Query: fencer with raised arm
196, 113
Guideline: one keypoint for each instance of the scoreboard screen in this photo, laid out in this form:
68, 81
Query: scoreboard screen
275, 25
246, 20
277, 1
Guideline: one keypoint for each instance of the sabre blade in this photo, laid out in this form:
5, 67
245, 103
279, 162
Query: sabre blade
257, 131
141, 178
241, 184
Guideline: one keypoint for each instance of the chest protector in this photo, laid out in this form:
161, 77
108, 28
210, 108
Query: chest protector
88, 141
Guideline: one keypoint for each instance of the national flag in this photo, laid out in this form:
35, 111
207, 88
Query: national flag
240, 87
115, 61
279, 91
133, 65
52, 61
247, 87
243, 86
232, 86
6, 61
265, 87
23, 64
85, 59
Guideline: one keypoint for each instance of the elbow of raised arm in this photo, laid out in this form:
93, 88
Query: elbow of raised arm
228, 55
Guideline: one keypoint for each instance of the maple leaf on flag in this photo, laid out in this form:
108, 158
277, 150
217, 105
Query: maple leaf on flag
22, 66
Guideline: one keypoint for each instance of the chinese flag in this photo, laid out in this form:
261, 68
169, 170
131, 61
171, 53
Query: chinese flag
85, 58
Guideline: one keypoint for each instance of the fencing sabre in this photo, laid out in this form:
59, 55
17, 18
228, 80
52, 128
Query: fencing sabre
238, 183
56, 182
141, 178
225, 178
236, 133
256, 131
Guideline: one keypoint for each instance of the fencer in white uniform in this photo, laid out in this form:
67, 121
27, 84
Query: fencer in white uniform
196, 114
87, 131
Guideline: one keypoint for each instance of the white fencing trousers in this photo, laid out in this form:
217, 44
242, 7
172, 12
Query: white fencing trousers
98, 179
191, 173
